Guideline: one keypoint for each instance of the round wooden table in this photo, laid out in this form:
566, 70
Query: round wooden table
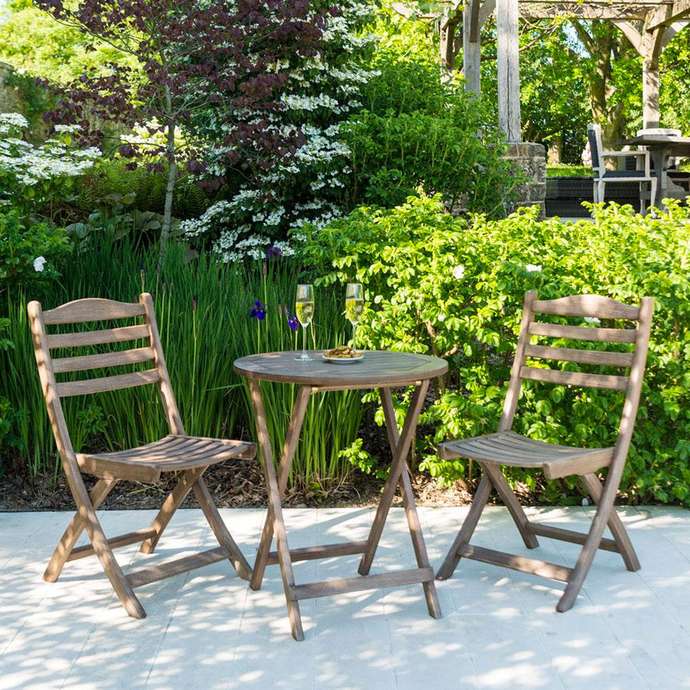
380, 370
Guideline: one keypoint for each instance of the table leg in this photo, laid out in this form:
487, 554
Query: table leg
401, 447
288, 454
411, 514
659, 156
275, 525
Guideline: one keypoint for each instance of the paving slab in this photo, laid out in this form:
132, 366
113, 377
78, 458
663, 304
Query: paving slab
207, 630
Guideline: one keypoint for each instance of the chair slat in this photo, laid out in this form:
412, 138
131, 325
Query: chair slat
103, 337
564, 354
92, 309
108, 359
108, 383
575, 378
587, 305
599, 335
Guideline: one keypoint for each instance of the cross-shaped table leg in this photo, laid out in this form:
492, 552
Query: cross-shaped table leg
400, 447
275, 525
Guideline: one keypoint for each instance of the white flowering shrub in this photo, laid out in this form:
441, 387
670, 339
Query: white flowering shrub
32, 175
264, 211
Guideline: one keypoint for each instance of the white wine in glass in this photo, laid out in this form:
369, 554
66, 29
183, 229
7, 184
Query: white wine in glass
354, 307
304, 310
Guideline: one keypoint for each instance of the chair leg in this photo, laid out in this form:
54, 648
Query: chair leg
97, 495
170, 505
654, 188
619, 532
643, 197
203, 496
589, 550
601, 192
514, 508
111, 567
463, 537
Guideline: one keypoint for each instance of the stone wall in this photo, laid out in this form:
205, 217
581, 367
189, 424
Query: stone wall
531, 159
10, 98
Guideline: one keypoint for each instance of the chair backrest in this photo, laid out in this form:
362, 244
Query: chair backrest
94, 310
596, 147
590, 307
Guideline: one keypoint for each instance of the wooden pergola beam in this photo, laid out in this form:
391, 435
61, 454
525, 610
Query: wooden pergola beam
666, 14
632, 11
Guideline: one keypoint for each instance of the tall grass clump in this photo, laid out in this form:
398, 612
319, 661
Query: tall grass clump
203, 309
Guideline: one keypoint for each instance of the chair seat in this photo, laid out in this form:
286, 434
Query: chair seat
512, 449
620, 175
172, 453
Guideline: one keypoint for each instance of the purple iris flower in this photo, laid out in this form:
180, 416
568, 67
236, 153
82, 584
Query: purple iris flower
274, 252
258, 311
293, 321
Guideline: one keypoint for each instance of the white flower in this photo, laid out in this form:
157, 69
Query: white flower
533, 268
459, 272
592, 319
39, 263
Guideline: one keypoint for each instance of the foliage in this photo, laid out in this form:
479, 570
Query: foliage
417, 131
269, 192
32, 99
568, 171
454, 288
28, 252
182, 68
675, 77
148, 188
116, 217
33, 176
37, 45
8, 416
203, 311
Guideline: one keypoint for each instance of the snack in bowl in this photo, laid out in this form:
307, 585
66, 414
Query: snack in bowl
342, 352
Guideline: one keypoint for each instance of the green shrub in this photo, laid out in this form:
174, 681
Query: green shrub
28, 252
416, 131
454, 288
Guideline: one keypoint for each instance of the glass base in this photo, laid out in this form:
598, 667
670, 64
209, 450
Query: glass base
304, 358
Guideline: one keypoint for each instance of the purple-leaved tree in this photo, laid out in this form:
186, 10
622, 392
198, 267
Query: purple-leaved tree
190, 55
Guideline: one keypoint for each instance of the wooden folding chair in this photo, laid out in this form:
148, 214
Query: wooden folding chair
177, 452
510, 449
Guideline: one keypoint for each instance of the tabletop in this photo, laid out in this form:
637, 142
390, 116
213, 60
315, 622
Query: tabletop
377, 369
660, 140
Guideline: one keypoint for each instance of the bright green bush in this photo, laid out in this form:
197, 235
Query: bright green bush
418, 131
454, 288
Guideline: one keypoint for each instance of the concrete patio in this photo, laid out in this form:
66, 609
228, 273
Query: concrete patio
206, 629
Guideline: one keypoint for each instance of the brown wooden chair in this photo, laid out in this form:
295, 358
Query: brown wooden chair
177, 452
510, 449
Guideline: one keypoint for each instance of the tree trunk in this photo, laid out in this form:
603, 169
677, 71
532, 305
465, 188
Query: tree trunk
604, 44
169, 193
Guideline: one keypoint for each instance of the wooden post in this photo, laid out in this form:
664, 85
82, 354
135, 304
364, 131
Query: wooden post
650, 92
509, 70
472, 68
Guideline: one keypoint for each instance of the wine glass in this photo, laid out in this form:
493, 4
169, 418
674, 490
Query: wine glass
354, 306
304, 309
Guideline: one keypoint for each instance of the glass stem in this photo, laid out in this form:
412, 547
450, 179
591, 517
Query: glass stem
354, 336
304, 342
